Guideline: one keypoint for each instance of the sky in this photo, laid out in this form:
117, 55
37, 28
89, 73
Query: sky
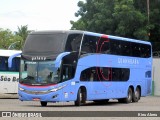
37, 14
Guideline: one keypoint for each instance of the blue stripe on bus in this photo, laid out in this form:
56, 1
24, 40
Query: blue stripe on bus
93, 34
128, 39
117, 38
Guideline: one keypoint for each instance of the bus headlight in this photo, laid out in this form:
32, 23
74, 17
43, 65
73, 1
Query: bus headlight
21, 89
57, 88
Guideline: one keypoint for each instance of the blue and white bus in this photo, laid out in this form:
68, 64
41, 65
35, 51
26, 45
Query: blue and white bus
83, 66
9, 77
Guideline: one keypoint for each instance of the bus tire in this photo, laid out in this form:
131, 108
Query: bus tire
43, 103
81, 98
136, 95
129, 96
128, 99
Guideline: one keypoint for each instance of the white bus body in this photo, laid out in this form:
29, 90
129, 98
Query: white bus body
9, 77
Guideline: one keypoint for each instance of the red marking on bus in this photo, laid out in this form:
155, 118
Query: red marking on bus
98, 50
38, 86
104, 36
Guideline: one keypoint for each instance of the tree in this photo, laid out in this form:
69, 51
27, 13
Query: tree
130, 21
96, 16
6, 38
127, 18
16, 44
9, 40
23, 33
153, 20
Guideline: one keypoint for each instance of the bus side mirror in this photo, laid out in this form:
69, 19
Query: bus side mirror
59, 59
11, 58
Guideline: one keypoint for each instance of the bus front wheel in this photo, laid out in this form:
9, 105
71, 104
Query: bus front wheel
81, 98
43, 103
136, 95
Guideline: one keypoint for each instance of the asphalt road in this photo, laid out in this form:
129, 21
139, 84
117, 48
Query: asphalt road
149, 103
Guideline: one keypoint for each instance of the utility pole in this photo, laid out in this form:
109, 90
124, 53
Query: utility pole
148, 14
148, 9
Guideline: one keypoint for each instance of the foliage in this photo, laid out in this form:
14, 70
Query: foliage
126, 18
9, 40
23, 33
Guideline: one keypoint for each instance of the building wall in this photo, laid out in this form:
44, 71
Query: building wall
156, 76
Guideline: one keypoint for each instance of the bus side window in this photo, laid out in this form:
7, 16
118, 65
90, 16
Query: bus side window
115, 46
125, 50
89, 44
106, 74
85, 75
125, 73
89, 74
120, 74
15, 65
145, 51
3, 63
136, 49
148, 74
67, 72
116, 74
73, 42
103, 46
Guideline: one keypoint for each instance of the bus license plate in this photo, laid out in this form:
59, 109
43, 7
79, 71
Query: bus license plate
36, 99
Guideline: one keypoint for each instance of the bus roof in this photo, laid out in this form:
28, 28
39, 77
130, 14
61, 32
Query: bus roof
57, 31
91, 33
118, 38
7, 53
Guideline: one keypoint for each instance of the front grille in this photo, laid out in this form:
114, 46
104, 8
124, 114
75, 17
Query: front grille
37, 92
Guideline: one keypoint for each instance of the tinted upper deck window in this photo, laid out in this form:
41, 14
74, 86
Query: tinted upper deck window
89, 44
73, 42
45, 43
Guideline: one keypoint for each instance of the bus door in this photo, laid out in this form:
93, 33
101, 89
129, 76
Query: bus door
67, 74
67, 70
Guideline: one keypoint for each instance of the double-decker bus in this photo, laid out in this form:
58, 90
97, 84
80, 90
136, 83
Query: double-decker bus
9, 77
83, 66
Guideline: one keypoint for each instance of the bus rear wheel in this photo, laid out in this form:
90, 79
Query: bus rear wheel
129, 97
136, 95
81, 98
43, 103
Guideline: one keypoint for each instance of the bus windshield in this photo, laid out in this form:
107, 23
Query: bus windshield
39, 73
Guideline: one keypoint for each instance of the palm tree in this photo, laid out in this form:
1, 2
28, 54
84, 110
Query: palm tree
23, 33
